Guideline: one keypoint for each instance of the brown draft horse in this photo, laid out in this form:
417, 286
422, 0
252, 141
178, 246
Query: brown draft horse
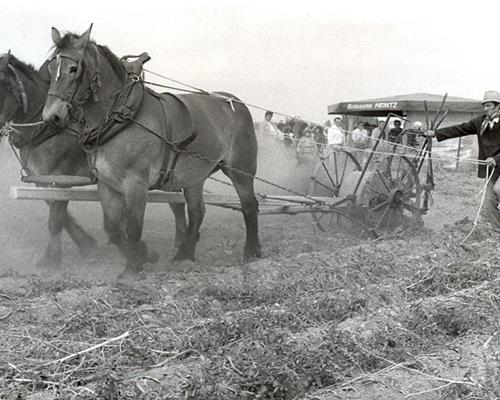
85, 78
50, 151
22, 96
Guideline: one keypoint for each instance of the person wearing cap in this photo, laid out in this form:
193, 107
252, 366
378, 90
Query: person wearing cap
487, 129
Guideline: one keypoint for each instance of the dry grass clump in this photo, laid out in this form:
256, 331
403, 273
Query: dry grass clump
463, 312
268, 365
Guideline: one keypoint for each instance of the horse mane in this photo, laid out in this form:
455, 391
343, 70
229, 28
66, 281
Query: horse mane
27, 69
116, 64
67, 40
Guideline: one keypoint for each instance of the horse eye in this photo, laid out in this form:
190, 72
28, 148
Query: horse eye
73, 69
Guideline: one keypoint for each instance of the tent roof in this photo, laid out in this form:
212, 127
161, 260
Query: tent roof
403, 103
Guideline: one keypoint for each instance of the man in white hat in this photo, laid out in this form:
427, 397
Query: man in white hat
487, 129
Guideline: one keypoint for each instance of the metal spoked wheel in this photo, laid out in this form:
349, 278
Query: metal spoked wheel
392, 196
330, 176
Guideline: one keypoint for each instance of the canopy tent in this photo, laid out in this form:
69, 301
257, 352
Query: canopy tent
412, 107
403, 104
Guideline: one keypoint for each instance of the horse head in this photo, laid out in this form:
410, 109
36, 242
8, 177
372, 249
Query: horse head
22, 93
12, 96
69, 84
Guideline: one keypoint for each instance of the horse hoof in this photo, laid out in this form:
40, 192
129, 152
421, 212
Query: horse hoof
88, 249
251, 255
152, 257
181, 256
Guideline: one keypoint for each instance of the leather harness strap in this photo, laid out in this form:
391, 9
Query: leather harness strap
22, 91
172, 151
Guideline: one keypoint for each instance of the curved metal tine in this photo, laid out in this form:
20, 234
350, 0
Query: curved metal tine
422, 154
406, 173
323, 215
426, 109
438, 113
442, 119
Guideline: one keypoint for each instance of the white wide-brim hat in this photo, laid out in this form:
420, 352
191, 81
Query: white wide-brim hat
491, 96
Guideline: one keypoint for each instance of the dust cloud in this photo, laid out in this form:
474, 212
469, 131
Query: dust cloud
276, 163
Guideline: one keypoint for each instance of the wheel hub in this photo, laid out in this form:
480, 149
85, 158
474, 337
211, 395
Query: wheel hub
396, 197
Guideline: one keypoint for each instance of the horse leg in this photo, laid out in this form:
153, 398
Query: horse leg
250, 208
136, 198
113, 207
196, 212
57, 215
87, 245
180, 222
123, 220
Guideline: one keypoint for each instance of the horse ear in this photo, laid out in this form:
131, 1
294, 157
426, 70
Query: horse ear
43, 71
56, 36
85, 37
4, 61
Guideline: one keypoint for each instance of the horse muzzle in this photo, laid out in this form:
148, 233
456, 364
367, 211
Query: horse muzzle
56, 113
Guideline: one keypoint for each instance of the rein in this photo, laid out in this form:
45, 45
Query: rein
22, 91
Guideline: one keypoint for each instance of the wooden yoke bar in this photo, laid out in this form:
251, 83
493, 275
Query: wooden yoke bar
85, 194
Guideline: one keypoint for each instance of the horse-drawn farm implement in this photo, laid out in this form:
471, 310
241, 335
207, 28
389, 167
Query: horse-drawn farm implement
387, 193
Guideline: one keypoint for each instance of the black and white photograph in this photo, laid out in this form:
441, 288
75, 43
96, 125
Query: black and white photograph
249, 200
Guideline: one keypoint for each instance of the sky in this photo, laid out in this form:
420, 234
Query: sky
287, 56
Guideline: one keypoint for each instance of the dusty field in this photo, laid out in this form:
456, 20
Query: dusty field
321, 316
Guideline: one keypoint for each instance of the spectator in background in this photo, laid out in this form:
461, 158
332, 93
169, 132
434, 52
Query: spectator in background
335, 134
306, 149
361, 141
327, 125
368, 128
319, 137
395, 132
269, 128
378, 130
268, 116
